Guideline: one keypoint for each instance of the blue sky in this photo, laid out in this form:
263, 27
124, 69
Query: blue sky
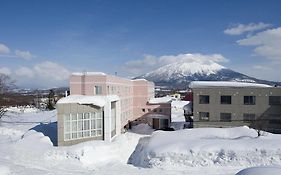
41, 42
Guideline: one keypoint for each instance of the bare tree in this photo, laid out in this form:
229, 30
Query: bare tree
5, 85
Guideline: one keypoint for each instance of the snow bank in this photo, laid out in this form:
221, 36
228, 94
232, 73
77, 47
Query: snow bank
177, 113
261, 171
204, 84
211, 146
142, 129
93, 154
4, 170
166, 99
22, 109
82, 99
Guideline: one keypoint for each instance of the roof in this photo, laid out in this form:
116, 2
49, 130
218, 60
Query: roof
159, 100
206, 84
160, 116
83, 99
88, 73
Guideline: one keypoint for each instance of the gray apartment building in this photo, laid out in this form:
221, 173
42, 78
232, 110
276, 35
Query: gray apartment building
228, 104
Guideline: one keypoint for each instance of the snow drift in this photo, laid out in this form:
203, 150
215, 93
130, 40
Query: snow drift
210, 147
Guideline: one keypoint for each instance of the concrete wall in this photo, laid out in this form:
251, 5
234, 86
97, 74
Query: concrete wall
76, 108
236, 108
68, 109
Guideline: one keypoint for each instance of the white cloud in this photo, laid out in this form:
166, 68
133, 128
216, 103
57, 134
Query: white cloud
25, 72
51, 70
239, 29
5, 70
24, 54
150, 62
43, 75
266, 43
4, 49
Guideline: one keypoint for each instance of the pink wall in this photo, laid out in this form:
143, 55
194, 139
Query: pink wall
133, 94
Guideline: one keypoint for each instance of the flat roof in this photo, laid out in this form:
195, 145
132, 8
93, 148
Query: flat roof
83, 99
88, 73
206, 84
160, 100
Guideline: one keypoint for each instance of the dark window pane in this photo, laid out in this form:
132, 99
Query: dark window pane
204, 116
248, 117
204, 99
225, 117
249, 100
225, 99
274, 100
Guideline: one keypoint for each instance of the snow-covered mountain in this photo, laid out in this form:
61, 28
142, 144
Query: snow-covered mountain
180, 74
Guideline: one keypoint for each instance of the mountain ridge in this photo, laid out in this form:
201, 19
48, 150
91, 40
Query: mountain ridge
178, 75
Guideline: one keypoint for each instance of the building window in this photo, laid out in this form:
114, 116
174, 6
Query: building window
274, 100
248, 117
225, 117
249, 100
154, 110
225, 99
204, 99
143, 110
149, 110
160, 110
82, 125
98, 90
204, 116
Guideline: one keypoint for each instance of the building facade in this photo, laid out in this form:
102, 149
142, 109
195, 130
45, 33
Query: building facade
112, 101
223, 104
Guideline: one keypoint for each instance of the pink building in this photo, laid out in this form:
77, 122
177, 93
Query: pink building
115, 100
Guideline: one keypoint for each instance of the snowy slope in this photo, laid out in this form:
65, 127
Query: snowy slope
180, 74
203, 147
26, 147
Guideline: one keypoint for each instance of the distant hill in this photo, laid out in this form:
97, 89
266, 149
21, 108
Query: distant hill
178, 75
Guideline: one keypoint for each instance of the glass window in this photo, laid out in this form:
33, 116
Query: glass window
98, 124
143, 110
204, 99
274, 100
248, 117
225, 117
86, 125
82, 125
204, 116
98, 90
67, 126
74, 126
225, 99
249, 100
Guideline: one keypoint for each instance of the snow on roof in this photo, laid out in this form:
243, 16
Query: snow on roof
202, 84
159, 116
141, 79
88, 73
166, 99
83, 99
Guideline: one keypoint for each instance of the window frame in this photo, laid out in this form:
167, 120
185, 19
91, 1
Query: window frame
277, 101
225, 99
225, 120
250, 101
202, 118
80, 125
249, 117
204, 99
98, 90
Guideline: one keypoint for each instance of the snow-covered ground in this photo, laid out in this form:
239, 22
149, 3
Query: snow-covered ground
27, 139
